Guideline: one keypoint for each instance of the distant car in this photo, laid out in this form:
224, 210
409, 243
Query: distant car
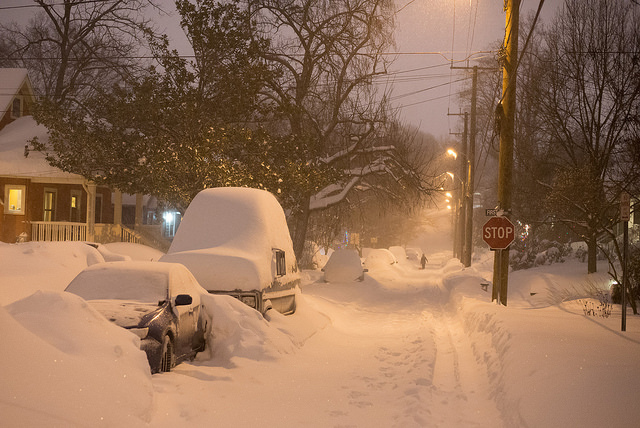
344, 265
159, 302
380, 258
413, 254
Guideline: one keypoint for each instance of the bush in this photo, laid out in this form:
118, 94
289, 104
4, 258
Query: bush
530, 252
633, 269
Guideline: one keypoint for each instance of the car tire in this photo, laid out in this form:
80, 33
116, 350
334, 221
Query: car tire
167, 358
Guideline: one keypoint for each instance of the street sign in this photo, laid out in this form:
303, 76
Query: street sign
490, 212
625, 207
498, 233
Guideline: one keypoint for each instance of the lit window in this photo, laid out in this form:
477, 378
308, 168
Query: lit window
14, 199
50, 205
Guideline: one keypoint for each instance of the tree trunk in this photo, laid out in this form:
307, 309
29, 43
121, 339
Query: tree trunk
300, 224
592, 254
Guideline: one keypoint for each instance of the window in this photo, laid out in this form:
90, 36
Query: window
14, 197
74, 205
16, 108
281, 265
50, 199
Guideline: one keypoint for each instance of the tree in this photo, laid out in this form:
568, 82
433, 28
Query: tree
180, 129
325, 56
587, 94
72, 48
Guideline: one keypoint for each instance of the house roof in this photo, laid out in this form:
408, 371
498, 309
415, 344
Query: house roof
11, 80
13, 139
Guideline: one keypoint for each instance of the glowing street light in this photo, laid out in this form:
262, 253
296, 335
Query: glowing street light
451, 152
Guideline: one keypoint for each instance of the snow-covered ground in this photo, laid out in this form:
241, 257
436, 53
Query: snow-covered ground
404, 348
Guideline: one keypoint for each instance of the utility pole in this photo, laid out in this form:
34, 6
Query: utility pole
461, 203
507, 128
472, 172
470, 169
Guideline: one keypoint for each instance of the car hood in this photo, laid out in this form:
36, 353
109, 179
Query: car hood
126, 314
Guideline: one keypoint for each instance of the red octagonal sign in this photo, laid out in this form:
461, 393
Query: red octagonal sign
498, 232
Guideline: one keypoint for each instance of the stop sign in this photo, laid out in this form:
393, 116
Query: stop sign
498, 232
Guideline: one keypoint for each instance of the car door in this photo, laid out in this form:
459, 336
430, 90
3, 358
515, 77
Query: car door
187, 315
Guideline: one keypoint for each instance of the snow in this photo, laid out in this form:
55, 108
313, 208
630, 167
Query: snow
13, 139
114, 280
344, 265
406, 347
134, 251
64, 366
227, 237
379, 258
33, 266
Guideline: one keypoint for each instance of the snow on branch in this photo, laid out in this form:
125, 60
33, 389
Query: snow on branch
336, 193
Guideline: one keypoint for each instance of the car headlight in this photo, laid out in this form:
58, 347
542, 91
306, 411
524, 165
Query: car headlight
140, 332
249, 301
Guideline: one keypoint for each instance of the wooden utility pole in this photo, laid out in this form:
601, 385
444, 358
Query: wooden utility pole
470, 171
461, 199
507, 128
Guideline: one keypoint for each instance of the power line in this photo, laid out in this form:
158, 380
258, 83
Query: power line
428, 89
27, 6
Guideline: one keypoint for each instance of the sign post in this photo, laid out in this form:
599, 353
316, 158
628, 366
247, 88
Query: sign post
499, 233
625, 216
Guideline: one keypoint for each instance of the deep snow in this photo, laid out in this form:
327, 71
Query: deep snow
404, 348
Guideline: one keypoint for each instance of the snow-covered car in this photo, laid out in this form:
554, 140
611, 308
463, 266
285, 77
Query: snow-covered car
159, 302
413, 254
344, 265
380, 258
236, 241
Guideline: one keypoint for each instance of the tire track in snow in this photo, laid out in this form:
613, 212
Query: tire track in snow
461, 390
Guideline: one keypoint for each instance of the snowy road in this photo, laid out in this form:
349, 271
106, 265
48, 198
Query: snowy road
388, 356
405, 348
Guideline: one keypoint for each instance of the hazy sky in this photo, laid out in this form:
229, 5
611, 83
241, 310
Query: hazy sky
429, 35
429, 26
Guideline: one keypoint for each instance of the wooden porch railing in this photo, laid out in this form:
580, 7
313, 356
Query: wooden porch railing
70, 231
58, 231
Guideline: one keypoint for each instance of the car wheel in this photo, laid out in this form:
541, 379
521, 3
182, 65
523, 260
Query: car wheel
166, 363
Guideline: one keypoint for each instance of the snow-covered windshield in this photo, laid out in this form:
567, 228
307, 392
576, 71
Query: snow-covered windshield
120, 284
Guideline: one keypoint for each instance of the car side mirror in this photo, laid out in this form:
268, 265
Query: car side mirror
183, 300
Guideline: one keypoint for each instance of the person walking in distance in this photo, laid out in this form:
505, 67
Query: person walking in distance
423, 261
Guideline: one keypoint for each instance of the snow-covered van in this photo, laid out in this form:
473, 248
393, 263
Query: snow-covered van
236, 241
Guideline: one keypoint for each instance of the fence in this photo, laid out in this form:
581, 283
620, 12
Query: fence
70, 231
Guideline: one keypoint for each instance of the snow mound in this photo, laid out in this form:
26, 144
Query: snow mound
398, 252
32, 262
135, 251
238, 331
70, 366
380, 258
344, 265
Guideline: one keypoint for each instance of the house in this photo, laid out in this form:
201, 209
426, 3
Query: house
39, 202
16, 95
